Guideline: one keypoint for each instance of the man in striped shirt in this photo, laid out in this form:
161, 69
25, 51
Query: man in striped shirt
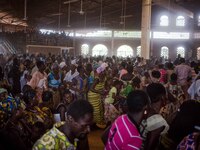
124, 133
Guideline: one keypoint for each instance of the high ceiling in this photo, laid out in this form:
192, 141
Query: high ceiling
54, 14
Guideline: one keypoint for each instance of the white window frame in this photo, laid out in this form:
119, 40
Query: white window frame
84, 49
124, 51
164, 20
179, 49
180, 21
164, 52
101, 50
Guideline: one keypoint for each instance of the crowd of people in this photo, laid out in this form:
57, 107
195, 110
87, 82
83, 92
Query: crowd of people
52, 102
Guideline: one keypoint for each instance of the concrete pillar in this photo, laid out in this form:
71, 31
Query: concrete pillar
74, 43
146, 28
112, 44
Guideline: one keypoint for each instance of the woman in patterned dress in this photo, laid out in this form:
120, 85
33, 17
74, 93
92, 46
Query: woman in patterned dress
94, 97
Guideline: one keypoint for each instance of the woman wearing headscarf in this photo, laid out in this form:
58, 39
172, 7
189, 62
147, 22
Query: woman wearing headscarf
54, 83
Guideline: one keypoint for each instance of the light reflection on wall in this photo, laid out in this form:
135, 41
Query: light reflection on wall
121, 34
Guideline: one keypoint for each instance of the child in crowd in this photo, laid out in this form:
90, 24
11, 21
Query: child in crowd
163, 74
155, 76
62, 107
145, 80
175, 89
136, 83
7, 103
111, 111
108, 86
74, 88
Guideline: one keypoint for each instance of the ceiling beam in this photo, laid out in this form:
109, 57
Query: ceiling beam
173, 7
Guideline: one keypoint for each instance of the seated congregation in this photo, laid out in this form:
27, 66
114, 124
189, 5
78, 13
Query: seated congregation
51, 102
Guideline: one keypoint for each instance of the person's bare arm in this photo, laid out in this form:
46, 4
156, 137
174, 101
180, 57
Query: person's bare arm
153, 139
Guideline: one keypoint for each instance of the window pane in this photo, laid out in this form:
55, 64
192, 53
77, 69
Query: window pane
139, 51
84, 49
164, 52
198, 53
164, 21
181, 51
124, 51
99, 50
180, 21
199, 21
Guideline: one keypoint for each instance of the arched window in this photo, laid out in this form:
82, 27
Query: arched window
164, 52
139, 51
124, 51
198, 21
198, 53
180, 21
181, 51
164, 21
99, 50
85, 49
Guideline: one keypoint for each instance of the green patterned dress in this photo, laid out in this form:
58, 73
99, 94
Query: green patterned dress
54, 140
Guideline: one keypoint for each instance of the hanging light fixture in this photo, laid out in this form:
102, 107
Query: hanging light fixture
59, 14
25, 8
122, 13
81, 12
101, 13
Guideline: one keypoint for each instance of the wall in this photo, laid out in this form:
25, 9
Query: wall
33, 49
133, 43
156, 46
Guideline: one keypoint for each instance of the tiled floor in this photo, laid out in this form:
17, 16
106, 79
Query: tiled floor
94, 139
